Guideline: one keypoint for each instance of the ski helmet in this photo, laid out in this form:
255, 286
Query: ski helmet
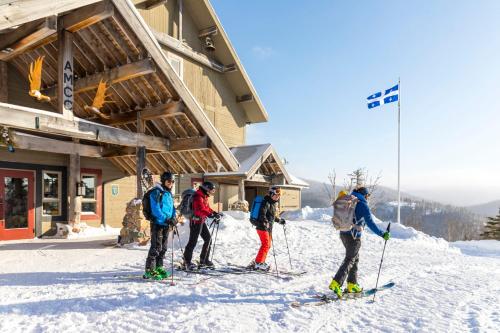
275, 190
208, 186
167, 175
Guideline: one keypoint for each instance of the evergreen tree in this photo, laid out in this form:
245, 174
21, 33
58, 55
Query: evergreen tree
492, 228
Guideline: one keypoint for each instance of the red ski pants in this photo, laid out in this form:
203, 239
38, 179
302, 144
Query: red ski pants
265, 240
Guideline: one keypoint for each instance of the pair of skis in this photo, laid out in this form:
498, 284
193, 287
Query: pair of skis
322, 299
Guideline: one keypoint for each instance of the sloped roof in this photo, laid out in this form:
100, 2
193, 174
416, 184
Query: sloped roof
254, 158
114, 43
297, 181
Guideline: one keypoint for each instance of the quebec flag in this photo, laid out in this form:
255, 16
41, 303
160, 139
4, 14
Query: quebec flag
377, 99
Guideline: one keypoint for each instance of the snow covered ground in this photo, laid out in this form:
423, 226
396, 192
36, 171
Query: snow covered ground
86, 285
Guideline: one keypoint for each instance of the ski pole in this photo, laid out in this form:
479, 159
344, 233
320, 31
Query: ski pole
215, 240
172, 275
288, 249
274, 255
179, 239
381, 260
212, 226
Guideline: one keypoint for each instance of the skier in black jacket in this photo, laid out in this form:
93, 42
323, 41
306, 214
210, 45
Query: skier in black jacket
267, 217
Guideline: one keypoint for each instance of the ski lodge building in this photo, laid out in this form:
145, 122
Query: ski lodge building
91, 92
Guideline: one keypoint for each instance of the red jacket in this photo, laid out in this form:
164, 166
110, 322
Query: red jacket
201, 208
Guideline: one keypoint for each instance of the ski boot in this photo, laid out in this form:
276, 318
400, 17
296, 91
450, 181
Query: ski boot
151, 274
207, 264
189, 266
262, 267
353, 289
162, 273
336, 288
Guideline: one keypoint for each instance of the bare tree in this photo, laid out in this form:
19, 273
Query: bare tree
333, 181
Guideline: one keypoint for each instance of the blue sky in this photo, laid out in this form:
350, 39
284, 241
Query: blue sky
313, 64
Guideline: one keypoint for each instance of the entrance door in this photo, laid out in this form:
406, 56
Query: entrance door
17, 209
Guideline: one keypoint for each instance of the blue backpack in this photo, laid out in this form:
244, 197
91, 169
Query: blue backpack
254, 212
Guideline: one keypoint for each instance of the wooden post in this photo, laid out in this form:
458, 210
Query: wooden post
4, 91
140, 157
241, 190
65, 91
74, 201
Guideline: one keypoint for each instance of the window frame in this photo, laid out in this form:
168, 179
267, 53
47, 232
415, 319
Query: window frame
59, 191
172, 56
97, 173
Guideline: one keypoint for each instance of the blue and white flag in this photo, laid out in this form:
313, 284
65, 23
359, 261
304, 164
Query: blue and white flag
377, 99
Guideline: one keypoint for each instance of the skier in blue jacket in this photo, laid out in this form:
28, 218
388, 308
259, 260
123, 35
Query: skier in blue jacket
162, 217
352, 243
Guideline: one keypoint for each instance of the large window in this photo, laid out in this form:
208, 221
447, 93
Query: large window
51, 193
89, 199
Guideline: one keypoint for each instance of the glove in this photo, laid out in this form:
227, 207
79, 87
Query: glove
386, 235
172, 221
282, 221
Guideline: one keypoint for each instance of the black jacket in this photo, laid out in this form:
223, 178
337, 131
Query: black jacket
267, 214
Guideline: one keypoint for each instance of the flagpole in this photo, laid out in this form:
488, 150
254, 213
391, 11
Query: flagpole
399, 150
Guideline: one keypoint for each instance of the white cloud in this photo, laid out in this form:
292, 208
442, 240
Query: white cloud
263, 52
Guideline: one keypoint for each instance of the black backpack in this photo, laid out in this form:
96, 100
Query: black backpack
146, 203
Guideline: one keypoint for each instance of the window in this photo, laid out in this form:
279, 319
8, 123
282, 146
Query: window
176, 63
51, 193
89, 199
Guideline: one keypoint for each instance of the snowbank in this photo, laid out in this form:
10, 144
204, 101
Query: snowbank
65, 232
480, 248
308, 213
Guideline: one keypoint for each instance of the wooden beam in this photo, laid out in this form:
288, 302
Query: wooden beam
17, 12
171, 109
179, 47
20, 32
244, 98
140, 158
146, 37
43, 33
38, 143
230, 68
201, 142
16, 116
149, 4
4, 88
74, 201
65, 74
180, 4
87, 16
117, 74
210, 31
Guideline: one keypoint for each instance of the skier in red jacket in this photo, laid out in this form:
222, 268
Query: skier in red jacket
198, 227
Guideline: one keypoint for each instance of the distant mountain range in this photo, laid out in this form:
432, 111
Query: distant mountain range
436, 219
487, 209
318, 196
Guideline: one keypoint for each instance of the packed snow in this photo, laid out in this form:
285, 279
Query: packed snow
88, 285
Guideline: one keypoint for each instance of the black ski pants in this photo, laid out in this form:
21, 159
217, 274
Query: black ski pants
196, 230
349, 267
159, 239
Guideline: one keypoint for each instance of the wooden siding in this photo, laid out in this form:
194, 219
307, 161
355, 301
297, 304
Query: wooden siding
211, 89
114, 206
290, 199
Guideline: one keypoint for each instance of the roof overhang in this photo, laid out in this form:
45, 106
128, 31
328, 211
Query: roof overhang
117, 47
204, 14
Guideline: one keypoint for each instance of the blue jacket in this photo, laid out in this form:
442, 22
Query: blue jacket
162, 210
362, 218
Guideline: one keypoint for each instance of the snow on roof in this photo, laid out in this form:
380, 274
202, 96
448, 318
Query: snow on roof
297, 181
246, 156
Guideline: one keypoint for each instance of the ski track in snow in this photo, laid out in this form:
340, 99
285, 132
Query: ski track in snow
83, 286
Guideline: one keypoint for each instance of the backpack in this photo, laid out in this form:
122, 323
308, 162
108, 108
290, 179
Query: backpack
254, 212
186, 205
146, 204
343, 212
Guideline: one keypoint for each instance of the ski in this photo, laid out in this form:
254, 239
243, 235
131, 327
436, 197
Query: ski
284, 272
322, 299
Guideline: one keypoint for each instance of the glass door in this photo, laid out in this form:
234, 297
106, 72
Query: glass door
17, 211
